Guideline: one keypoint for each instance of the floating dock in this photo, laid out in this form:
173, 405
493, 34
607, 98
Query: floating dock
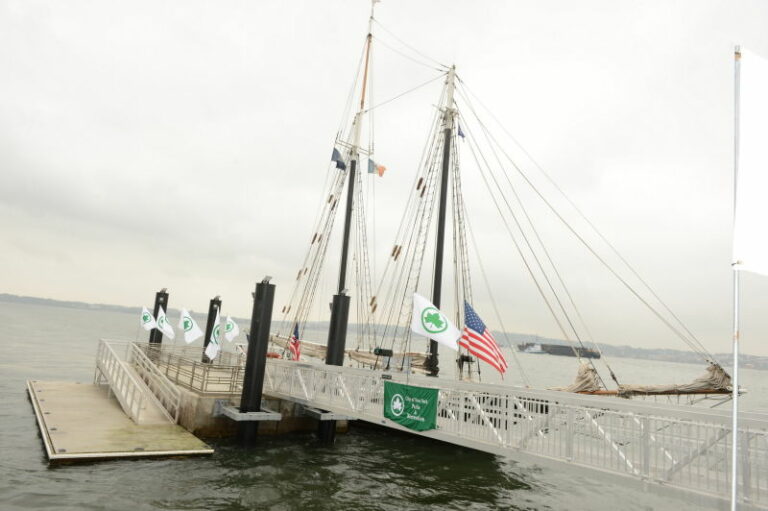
82, 421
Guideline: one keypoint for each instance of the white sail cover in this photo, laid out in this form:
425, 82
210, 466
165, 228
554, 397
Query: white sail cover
750, 226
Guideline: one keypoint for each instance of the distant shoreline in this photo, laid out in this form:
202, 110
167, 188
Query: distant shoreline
665, 355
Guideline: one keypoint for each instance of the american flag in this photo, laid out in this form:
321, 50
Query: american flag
294, 344
477, 339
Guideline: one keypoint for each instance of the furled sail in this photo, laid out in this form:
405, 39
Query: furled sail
586, 380
714, 380
417, 361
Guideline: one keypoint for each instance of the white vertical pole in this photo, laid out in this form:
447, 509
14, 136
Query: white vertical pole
735, 381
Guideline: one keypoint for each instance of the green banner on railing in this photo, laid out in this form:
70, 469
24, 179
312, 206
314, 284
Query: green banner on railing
412, 407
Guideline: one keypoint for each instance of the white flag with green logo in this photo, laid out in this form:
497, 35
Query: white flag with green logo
189, 326
163, 325
231, 329
147, 321
214, 342
428, 321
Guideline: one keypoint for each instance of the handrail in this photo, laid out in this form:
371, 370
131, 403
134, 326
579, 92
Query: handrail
129, 393
682, 448
182, 366
625, 405
167, 394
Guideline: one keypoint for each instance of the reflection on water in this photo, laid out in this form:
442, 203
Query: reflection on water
367, 469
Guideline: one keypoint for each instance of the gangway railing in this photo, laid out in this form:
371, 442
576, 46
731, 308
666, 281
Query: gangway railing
167, 394
680, 448
128, 391
136, 381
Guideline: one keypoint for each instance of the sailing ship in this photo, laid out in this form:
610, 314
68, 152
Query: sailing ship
435, 225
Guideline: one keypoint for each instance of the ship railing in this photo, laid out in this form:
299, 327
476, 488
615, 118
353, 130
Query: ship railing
683, 448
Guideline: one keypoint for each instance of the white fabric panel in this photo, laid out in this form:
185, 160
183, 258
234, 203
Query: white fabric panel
442, 331
750, 228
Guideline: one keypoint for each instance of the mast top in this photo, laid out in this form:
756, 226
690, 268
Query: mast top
449, 112
357, 122
370, 20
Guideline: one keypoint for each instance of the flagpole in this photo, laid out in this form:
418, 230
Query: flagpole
735, 381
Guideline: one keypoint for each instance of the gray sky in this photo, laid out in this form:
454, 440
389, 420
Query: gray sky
185, 144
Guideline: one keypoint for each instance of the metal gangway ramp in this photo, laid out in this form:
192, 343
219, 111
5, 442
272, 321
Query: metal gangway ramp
145, 394
679, 449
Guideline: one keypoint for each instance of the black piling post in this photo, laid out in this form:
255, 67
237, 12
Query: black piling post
334, 355
256, 358
213, 307
161, 298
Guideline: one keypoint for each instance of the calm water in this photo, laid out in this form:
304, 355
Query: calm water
366, 469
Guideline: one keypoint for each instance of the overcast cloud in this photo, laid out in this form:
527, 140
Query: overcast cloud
150, 144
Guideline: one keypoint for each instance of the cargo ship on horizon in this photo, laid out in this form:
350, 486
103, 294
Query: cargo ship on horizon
557, 349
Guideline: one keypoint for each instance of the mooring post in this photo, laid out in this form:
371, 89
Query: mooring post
213, 307
334, 355
256, 358
161, 298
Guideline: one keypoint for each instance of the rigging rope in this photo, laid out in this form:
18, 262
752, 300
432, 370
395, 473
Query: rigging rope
424, 55
413, 216
462, 277
408, 270
441, 75
520, 251
405, 56
698, 346
551, 262
523, 374
345, 116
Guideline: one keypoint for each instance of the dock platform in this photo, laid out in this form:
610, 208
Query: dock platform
83, 421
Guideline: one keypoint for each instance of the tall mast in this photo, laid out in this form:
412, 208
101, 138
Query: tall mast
354, 157
449, 113
735, 380
337, 332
